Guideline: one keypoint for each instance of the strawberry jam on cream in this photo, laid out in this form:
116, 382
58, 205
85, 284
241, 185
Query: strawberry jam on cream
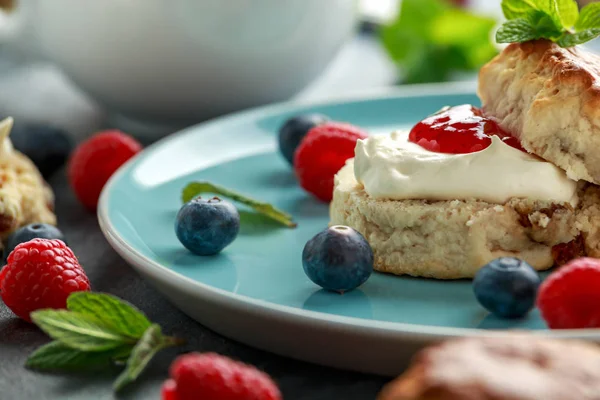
459, 130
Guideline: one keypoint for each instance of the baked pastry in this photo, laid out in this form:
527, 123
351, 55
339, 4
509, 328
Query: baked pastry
24, 195
453, 239
549, 98
520, 367
458, 193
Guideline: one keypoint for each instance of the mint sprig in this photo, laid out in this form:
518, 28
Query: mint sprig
97, 330
556, 20
195, 189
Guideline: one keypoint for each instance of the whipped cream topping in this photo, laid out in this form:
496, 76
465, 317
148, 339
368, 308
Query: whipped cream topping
391, 167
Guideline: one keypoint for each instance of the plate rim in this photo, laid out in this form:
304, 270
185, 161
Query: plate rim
235, 300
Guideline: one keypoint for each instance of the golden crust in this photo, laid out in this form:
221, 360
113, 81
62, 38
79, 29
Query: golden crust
453, 239
518, 367
24, 195
549, 97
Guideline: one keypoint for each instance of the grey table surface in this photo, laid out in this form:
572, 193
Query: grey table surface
38, 92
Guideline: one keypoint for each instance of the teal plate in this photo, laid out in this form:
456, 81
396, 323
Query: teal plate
256, 291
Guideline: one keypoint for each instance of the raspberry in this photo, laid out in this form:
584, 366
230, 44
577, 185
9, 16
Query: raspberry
95, 160
39, 274
212, 376
322, 153
570, 297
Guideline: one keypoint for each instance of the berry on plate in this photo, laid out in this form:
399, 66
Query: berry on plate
40, 274
212, 376
95, 160
293, 131
338, 259
207, 226
322, 153
31, 231
570, 297
48, 147
506, 287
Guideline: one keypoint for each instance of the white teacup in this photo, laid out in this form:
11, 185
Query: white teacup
175, 62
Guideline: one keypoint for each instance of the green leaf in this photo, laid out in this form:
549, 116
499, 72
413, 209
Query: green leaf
567, 12
573, 39
589, 17
79, 331
121, 316
472, 28
430, 40
151, 343
58, 356
194, 189
516, 31
518, 9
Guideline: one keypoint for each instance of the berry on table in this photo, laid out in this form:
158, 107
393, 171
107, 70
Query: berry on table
212, 376
207, 226
95, 160
338, 259
570, 297
293, 131
47, 146
506, 287
31, 231
322, 153
40, 274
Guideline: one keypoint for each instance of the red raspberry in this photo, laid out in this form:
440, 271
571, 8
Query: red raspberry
212, 376
570, 297
39, 274
322, 153
95, 160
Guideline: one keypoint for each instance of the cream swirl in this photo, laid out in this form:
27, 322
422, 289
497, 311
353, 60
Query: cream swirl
392, 167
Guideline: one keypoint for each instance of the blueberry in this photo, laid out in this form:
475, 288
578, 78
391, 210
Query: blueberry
338, 259
293, 131
205, 227
48, 147
31, 231
507, 287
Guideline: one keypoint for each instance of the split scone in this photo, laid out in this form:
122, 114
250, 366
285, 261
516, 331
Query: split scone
24, 195
519, 367
452, 239
466, 185
549, 98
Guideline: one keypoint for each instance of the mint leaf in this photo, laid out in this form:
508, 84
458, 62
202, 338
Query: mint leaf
566, 11
517, 9
516, 31
194, 189
58, 356
79, 331
573, 39
556, 20
589, 17
121, 316
151, 343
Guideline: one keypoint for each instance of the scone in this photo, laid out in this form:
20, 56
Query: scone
24, 195
520, 367
549, 98
453, 239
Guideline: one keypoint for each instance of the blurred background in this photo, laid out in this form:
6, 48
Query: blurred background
151, 67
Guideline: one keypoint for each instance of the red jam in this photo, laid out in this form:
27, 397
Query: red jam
459, 130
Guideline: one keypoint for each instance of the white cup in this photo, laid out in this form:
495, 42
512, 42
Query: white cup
175, 62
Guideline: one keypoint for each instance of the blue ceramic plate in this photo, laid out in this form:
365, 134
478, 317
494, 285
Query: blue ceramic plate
256, 290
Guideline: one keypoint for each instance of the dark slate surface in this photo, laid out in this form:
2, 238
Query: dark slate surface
109, 273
